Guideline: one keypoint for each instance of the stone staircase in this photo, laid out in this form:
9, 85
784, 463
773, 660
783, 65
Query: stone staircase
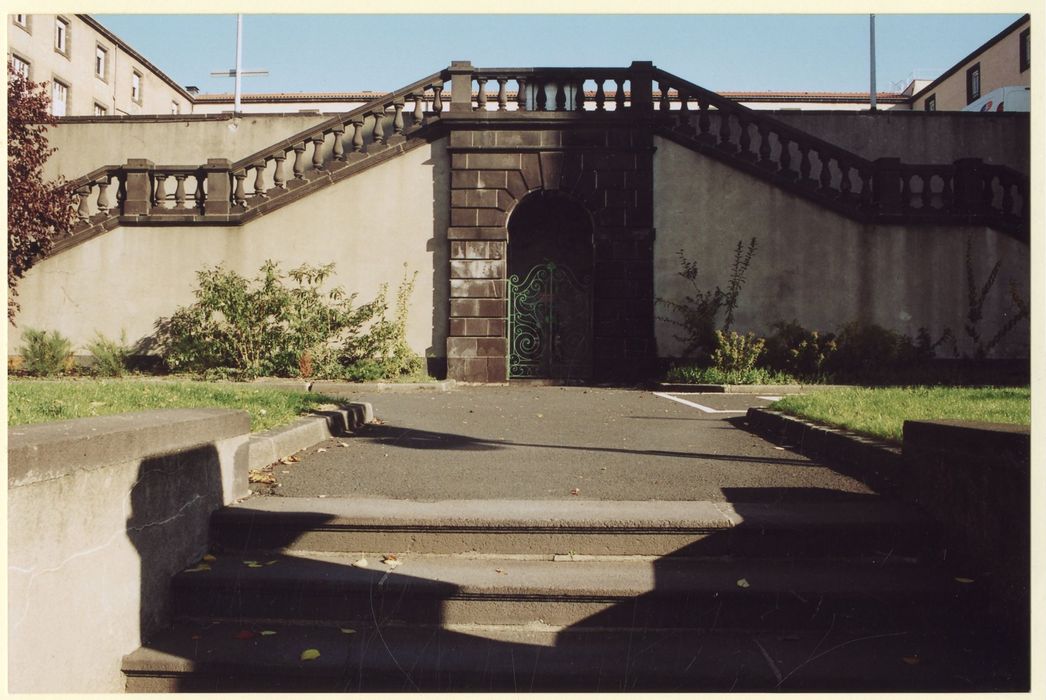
570, 595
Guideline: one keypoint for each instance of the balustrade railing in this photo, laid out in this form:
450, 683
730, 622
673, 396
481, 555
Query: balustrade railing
885, 189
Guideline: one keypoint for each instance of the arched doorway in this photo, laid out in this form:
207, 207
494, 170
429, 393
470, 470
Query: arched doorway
550, 288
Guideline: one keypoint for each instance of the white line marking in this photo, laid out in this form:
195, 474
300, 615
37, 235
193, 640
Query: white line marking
769, 398
698, 406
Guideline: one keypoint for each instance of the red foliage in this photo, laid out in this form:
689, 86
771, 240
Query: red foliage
38, 212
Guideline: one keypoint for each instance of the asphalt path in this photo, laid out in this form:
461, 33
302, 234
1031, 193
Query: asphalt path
514, 442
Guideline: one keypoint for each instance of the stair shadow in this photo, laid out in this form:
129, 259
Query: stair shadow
729, 637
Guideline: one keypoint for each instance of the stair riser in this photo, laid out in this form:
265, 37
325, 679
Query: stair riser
693, 610
734, 542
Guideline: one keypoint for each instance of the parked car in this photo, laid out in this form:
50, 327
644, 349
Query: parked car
1013, 98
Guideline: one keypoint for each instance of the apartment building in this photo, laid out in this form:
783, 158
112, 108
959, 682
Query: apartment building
89, 70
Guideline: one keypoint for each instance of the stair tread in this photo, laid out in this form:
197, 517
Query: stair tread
494, 513
625, 577
516, 657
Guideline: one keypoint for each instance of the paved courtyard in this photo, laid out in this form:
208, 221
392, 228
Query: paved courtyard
520, 442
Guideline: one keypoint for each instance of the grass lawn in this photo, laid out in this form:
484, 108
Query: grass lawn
881, 412
40, 401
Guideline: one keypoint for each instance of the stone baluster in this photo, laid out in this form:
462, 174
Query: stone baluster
579, 96
481, 93
825, 177
683, 121
785, 159
845, 184
278, 178
664, 104
703, 121
239, 197
83, 206
764, 147
804, 162
338, 149
378, 132
298, 168
437, 99
179, 191
199, 196
103, 195
619, 94
1007, 196
419, 107
724, 130
561, 95
601, 97
502, 95
866, 188
888, 186
159, 190
259, 178
745, 139
927, 191
317, 151
540, 95
357, 135
521, 94
397, 120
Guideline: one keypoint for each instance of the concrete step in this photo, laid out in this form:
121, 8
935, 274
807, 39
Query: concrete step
225, 656
656, 528
620, 592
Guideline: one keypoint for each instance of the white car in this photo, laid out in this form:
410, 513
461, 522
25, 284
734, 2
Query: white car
1013, 98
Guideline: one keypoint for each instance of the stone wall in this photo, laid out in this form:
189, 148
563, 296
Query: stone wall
818, 267
102, 512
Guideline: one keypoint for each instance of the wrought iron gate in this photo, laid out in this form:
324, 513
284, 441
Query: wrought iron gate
550, 323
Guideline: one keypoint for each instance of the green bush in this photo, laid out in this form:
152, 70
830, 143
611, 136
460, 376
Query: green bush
866, 348
691, 374
286, 325
45, 354
110, 356
794, 349
735, 352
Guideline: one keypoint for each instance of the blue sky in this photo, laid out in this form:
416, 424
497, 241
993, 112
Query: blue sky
720, 52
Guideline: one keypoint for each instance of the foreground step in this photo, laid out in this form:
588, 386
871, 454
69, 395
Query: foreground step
620, 592
224, 657
655, 528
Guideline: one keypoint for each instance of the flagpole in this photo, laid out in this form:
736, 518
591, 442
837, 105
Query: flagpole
871, 30
239, 61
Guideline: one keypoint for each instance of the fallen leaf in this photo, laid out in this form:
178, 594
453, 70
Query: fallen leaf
500, 571
343, 444
244, 634
743, 583
310, 654
540, 416
257, 476
254, 566
209, 557
198, 567
270, 563
292, 458
362, 563
267, 633
910, 660
249, 561
575, 492
391, 561
322, 495
322, 449
347, 630
962, 579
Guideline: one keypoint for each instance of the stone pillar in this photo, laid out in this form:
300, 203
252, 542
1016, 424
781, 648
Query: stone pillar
641, 76
138, 187
460, 86
219, 190
477, 346
887, 185
969, 186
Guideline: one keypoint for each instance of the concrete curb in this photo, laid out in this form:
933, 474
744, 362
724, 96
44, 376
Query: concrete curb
270, 446
877, 463
744, 388
339, 389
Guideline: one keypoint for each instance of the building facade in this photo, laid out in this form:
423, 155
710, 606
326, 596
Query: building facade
1003, 60
89, 70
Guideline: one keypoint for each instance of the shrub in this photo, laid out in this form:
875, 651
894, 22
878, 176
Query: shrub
865, 348
383, 351
699, 310
691, 374
735, 352
110, 356
45, 354
794, 349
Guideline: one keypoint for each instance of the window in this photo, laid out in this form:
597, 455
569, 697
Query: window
931, 103
100, 110
61, 36
136, 87
22, 21
20, 65
973, 83
1025, 49
101, 61
59, 98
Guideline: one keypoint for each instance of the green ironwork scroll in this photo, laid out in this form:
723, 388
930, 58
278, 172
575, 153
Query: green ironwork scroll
550, 323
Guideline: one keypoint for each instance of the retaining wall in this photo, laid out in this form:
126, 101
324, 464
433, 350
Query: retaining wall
102, 512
